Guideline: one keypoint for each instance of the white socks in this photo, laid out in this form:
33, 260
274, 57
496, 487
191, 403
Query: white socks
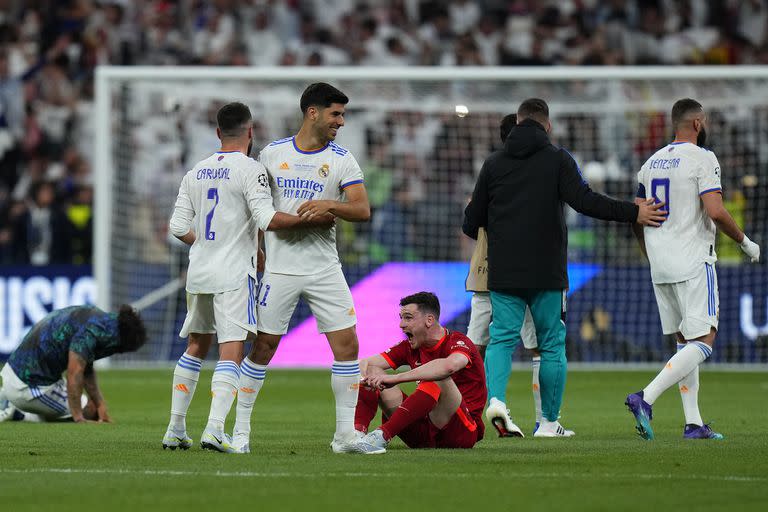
689, 392
345, 381
185, 378
224, 383
677, 368
535, 363
252, 377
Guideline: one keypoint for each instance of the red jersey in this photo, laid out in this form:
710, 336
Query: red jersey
470, 380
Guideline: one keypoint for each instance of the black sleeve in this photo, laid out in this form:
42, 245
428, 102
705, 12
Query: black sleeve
476, 212
575, 191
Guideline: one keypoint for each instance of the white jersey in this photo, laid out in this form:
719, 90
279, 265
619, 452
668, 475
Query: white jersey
223, 199
678, 174
297, 176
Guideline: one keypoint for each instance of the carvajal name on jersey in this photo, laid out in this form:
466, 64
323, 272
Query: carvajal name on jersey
222, 173
664, 163
297, 188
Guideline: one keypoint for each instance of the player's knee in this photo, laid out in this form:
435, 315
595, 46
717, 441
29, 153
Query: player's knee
553, 351
430, 388
263, 349
198, 345
344, 345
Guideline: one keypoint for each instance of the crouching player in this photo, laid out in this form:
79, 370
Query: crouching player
445, 410
67, 341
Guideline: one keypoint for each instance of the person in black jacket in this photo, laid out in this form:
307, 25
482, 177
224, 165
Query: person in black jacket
519, 198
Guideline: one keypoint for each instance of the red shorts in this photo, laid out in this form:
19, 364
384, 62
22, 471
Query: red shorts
462, 431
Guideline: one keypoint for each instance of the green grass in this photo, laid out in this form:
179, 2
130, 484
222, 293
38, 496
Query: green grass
606, 466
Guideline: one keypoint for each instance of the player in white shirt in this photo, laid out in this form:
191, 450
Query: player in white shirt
686, 178
222, 203
310, 175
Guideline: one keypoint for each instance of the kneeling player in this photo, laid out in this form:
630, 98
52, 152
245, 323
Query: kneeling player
67, 340
446, 409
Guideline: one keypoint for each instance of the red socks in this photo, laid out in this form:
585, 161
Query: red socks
367, 405
413, 408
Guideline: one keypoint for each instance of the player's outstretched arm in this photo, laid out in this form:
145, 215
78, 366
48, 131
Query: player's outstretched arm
575, 191
437, 369
355, 209
713, 204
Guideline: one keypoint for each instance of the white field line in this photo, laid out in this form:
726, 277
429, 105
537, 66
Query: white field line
506, 475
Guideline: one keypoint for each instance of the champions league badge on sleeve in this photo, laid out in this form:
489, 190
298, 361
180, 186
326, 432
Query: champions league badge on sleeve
263, 180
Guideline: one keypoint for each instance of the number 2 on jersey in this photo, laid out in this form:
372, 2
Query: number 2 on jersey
662, 183
213, 193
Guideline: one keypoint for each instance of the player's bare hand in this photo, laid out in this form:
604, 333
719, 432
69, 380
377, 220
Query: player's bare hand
325, 221
650, 213
82, 419
103, 413
370, 371
314, 208
381, 381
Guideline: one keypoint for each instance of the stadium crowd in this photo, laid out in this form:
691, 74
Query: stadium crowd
50, 48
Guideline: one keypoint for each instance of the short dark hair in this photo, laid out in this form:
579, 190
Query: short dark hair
509, 121
133, 333
322, 95
426, 303
682, 108
233, 119
533, 108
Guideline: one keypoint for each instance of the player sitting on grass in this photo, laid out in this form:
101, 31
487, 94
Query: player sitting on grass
686, 177
67, 340
446, 409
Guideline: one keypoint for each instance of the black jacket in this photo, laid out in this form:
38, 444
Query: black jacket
519, 199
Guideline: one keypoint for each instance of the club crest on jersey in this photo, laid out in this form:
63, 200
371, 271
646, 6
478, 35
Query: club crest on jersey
263, 180
284, 166
324, 170
221, 157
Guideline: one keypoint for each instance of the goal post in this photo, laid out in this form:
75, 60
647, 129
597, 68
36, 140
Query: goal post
420, 161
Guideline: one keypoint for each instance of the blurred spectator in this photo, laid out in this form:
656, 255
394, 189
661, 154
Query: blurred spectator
464, 15
39, 236
263, 43
11, 123
49, 51
79, 225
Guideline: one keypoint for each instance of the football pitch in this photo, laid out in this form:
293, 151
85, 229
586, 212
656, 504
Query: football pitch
606, 466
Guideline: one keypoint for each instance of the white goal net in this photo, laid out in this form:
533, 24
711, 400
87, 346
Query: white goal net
420, 162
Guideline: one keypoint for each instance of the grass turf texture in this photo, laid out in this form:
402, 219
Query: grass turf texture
606, 466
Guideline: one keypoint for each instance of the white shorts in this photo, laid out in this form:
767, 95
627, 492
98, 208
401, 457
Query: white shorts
326, 293
228, 314
480, 319
691, 307
49, 402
